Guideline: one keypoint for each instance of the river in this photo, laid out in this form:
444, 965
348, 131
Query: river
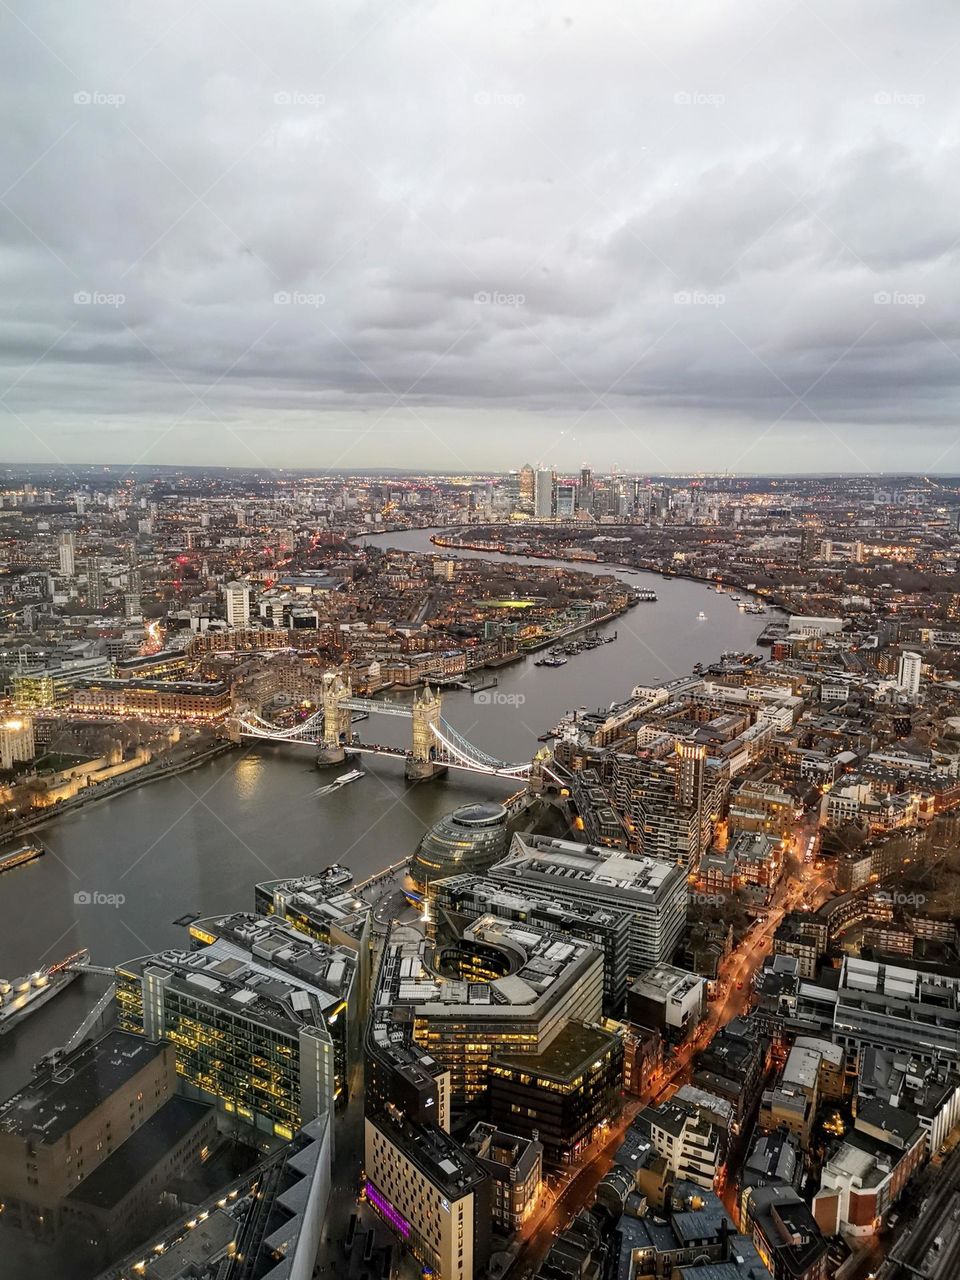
197, 843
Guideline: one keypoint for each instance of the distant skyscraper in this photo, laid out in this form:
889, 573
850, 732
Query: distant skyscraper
527, 484
908, 673
68, 564
94, 583
566, 499
543, 494
238, 604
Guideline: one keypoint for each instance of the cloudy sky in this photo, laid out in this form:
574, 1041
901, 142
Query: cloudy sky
471, 233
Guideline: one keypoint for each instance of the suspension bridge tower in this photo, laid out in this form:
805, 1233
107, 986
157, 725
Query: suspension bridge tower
336, 719
424, 715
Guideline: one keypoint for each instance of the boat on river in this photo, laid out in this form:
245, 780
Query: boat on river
21, 996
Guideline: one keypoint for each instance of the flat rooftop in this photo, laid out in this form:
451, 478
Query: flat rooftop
435, 1154
575, 1047
588, 866
56, 1100
141, 1153
226, 975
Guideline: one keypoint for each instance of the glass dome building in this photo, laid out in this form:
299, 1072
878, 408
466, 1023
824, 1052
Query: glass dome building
468, 840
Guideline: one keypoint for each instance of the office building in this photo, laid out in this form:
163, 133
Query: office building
543, 506
68, 553
585, 497
908, 674
527, 486
565, 505
667, 999
894, 1007
280, 1073
332, 969
651, 890
515, 1168
690, 1144
563, 1095
865, 1175
430, 1192
467, 897
51, 686
238, 604
470, 839
92, 1132
499, 987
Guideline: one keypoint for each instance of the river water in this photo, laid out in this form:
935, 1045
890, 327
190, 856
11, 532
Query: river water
197, 843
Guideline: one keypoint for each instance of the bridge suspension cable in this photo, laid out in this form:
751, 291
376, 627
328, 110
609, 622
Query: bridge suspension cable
261, 728
466, 753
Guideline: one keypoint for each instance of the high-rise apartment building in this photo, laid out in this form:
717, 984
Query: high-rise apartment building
238, 604
95, 592
908, 674
67, 549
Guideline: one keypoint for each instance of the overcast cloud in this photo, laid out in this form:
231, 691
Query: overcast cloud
463, 235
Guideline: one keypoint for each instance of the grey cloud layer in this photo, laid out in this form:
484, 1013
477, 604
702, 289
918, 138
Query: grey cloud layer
721, 233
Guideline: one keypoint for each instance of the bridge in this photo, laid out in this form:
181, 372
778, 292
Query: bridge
435, 746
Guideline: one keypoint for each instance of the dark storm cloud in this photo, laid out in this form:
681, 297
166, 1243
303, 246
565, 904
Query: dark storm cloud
715, 234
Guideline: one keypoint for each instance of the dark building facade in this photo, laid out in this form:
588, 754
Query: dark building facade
563, 1094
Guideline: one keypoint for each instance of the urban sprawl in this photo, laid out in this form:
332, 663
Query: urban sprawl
677, 995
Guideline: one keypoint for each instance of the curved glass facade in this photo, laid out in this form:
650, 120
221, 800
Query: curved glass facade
470, 839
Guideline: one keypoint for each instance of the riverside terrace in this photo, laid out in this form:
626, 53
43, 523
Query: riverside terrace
497, 987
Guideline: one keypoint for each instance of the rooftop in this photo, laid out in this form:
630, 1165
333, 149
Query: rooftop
435, 1154
111, 1181
567, 1056
58, 1098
